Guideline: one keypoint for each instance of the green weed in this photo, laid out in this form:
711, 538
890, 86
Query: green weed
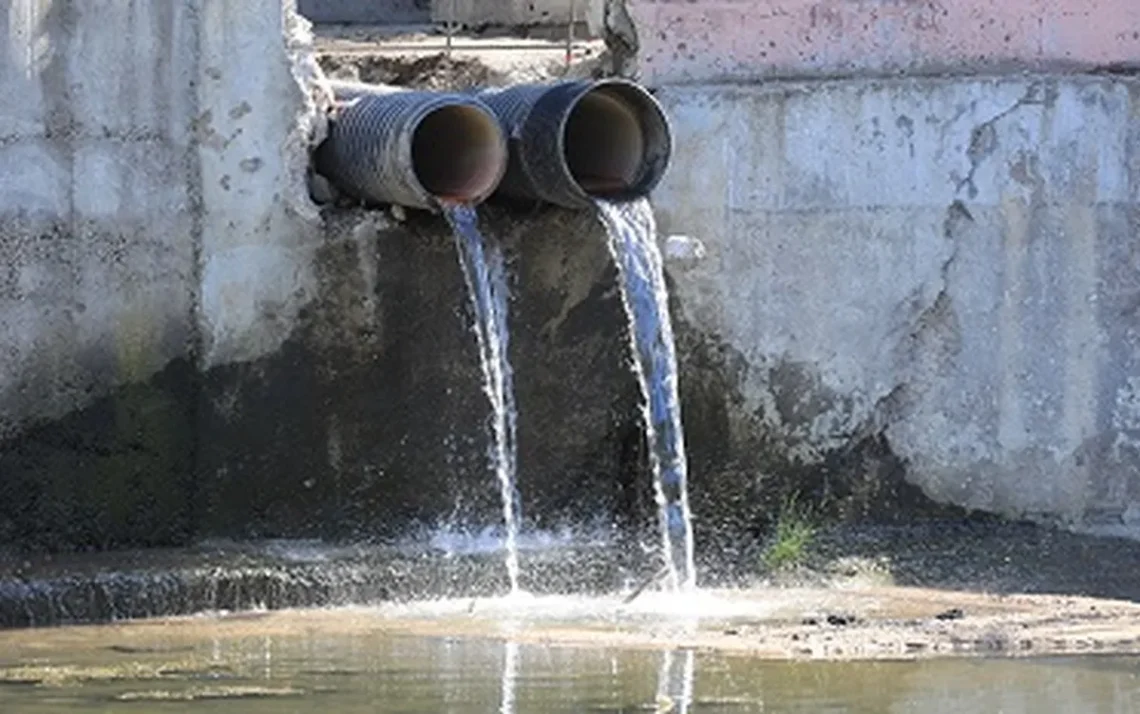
795, 530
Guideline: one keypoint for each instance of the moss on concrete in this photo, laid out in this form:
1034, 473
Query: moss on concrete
118, 472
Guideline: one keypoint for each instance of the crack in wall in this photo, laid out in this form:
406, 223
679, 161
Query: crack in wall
983, 137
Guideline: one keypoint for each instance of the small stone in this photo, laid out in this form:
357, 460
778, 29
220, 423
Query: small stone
681, 248
321, 189
398, 213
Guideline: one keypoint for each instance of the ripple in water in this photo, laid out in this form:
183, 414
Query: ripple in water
632, 239
485, 273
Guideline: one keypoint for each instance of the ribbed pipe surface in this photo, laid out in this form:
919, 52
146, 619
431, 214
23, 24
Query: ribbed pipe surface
416, 149
574, 141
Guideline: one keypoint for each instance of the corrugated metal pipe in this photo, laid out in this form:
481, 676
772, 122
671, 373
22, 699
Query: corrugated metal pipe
413, 148
576, 140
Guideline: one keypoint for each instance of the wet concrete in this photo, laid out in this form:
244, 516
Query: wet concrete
223, 576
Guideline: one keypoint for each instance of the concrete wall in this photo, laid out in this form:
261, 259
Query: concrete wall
154, 221
372, 12
518, 12
152, 199
736, 40
944, 267
948, 266
190, 349
254, 126
96, 200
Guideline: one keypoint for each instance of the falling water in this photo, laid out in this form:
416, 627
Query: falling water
486, 278
633, 243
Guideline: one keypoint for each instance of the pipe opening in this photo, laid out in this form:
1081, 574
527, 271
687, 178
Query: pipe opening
458, 154
616, 141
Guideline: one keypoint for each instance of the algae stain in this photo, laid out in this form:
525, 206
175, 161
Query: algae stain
139, 466
136, 346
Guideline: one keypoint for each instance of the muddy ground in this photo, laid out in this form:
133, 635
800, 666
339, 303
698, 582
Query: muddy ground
861, 623
422, 60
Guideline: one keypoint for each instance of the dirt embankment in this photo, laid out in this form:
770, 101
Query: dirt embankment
423, 61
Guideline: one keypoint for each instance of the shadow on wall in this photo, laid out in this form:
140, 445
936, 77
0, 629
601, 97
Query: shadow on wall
992, 555
369, 422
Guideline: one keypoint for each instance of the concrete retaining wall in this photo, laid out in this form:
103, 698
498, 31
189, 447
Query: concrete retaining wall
191, 350
952, 264
96, 199
152, 198
946, 267
154, 222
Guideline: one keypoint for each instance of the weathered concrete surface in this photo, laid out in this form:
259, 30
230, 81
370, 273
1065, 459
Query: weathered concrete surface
947, 268
741, 40
372, 419
255, 124
191, 349
369, 421
518, 13
154, 220
143, 185
95, 197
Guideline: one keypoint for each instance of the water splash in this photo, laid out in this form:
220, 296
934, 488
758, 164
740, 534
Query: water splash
632, 239
485, 273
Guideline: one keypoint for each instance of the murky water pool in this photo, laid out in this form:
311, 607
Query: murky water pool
306, 663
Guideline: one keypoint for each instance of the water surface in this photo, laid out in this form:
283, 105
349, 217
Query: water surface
208, 667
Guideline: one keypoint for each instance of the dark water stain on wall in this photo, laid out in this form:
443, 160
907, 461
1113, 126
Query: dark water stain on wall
117, 473
369, 422
581, 445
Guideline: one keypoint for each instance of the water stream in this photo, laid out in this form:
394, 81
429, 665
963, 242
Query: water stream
632, 239
485, 273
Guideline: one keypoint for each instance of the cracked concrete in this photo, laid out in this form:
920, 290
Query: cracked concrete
984, 138
937, 263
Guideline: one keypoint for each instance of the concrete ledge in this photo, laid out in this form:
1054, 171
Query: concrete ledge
232, 577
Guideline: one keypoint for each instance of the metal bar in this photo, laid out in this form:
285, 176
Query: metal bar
450, 25
570, 38
457, 47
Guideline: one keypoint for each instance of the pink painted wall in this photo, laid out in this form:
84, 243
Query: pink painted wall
732, 40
